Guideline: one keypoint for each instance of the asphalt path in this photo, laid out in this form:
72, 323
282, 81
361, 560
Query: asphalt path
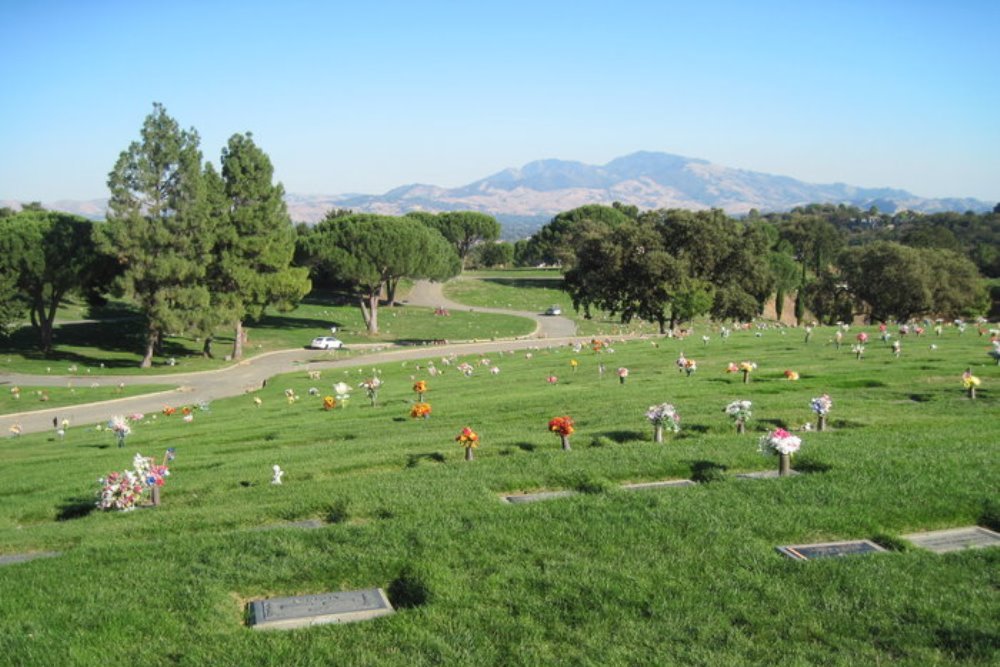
251, 374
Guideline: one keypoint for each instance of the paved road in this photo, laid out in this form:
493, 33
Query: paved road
192, 388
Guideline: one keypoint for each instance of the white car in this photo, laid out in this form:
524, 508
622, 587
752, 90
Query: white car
554, 310
326, 343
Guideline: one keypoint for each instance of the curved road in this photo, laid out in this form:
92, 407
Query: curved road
248, 375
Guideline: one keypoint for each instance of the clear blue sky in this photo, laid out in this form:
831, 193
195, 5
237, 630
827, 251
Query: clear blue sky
363, 97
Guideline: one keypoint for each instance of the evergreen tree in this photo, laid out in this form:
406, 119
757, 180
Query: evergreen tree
159, 228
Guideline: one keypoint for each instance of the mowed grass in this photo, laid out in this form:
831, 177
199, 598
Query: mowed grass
606, 577
535, 290
115, 346
74, 392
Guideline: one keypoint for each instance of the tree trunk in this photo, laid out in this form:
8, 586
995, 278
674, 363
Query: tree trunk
662, 321
151, 337
779, 303
206, 349
370, 312
390, 291
238, 339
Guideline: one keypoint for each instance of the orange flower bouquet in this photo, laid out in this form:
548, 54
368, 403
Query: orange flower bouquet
420, 410
468, 439
563, 426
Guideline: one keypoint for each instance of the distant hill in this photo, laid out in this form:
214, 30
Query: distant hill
523, 199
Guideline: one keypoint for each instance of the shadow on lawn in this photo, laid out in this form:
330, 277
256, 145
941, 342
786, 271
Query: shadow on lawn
75, 508
704, 472
555, 282
413, 460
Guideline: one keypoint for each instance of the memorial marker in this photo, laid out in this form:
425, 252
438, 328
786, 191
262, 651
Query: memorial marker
829, 549
955, 539
764, 474
11, 559
535, 497
307, 610
658, 485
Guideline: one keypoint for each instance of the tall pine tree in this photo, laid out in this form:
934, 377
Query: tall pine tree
159, 228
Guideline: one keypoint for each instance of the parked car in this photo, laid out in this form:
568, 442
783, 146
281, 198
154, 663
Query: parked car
326, 343
554, 310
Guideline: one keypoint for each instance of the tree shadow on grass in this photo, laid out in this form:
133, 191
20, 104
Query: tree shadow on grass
413, 460
526, 446
75, 508
625, 436
541, 283
704, 472
809, 466
776, 423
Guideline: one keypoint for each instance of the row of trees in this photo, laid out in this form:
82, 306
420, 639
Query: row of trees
671, 265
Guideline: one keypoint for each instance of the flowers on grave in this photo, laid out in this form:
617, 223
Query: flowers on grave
970, 382
291, 396
552, 379
821, 405
468, 439
859, 351
371, 387
745, 367
740, 413
168, 410
136, 417
15, 392
494, 370
277, 474
148, 472
622, 374
781, 443
995, 352
314, 375
663, 416
466, 369
313, 391
420, 410
420, 386
188, 418
257, 401
15, 430
862, 338
690, 366
791, 375
897, 348
563, 427
342, 390
329, 402
119, 426
119, 491
573, 363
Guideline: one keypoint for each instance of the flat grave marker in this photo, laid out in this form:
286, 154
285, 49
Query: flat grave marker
667, 483
829, 549
955, 539
535, 497
306, 610
11, 559
305, 524
764, 474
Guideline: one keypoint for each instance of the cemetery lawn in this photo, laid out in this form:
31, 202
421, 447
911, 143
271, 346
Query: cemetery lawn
115, 345
535, 290
83, 390
677, 576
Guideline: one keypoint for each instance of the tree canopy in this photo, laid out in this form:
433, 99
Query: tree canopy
463, 229
368, 254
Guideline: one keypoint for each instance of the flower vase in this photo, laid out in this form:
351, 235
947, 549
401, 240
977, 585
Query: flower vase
785, 465
468, 453
821, 426
746, 377
565, 442
658, 433
156, 496
420, 397
621, 379
741, 427
972, 393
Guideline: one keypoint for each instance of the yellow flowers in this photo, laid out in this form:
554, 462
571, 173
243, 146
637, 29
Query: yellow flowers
467, 438
329, 403
792, 375
420, 410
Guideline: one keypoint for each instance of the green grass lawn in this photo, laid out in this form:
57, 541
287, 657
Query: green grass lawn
605, 577
74, 392
535, 290
115, 346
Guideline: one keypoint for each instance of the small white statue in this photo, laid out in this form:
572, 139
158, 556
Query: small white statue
278, 472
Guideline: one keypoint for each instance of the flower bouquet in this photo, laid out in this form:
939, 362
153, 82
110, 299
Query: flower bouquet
119, 491
739, 412
784, 444
371, 387
468, 439
343, 392
563, 426
663, 416
622, 374
119, 426
791, 375
420, 410
821, 406
745, 367
690, 366
420, 386
970, 382
329, 402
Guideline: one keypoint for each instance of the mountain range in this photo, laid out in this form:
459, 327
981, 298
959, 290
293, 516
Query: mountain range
524, 199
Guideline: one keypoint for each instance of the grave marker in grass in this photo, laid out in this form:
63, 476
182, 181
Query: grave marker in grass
306, 610
955, 539
829, 549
